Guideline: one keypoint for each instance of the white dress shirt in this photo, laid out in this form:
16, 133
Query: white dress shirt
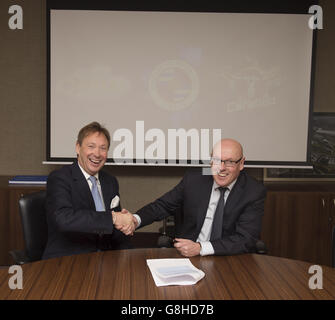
205, 233
87, 177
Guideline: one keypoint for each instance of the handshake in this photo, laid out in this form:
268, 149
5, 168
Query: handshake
124, 221
127, 223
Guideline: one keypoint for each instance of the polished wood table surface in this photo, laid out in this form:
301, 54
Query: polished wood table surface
124, 275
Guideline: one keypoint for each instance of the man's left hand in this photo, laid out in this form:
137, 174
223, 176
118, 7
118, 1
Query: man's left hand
187, 248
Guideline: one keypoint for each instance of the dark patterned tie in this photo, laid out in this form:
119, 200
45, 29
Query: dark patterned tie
218, 216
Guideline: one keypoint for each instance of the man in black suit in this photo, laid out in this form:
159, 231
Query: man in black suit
216, 213
81, 201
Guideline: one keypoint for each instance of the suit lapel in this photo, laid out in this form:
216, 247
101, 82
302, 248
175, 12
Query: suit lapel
82, 186
205, 191
235, 194
106, 189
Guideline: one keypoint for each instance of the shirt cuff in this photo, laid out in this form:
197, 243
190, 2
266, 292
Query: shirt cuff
137, 217
206, 248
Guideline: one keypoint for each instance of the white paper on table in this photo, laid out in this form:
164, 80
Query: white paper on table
167, 272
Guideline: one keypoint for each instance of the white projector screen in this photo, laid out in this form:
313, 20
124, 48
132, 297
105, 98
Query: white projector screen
151, 77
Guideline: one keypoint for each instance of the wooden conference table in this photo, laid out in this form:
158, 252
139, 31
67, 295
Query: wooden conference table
124, 275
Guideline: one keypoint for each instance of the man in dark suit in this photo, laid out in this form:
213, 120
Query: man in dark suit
216, 213
81, 201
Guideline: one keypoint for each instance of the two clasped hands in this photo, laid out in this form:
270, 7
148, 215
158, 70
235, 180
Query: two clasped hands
124, 221
127, 223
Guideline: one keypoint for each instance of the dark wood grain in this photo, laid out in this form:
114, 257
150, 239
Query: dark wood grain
299, 224
318, 186
124, 275
4, 225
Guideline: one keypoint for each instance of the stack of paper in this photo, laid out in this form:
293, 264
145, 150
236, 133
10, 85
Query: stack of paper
167, 272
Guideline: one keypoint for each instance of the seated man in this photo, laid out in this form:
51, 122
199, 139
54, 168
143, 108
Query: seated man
79, 201
219, 213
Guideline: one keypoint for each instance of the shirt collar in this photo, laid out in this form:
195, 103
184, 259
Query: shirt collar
230, 186
86, 175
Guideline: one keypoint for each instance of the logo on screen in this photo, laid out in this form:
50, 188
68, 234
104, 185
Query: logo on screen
174, 85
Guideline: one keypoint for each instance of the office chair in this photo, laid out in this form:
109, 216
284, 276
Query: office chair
35, 228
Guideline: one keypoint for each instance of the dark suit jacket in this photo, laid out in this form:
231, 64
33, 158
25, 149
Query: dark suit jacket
73, 224
189, 201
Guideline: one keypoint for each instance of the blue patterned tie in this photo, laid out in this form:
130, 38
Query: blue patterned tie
96, 195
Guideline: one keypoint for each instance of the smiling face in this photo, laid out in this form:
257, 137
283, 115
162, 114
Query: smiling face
92, 153
227, 149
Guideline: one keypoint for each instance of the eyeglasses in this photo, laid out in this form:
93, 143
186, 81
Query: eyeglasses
227, 163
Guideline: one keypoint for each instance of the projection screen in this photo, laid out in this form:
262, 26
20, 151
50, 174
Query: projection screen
167, 85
